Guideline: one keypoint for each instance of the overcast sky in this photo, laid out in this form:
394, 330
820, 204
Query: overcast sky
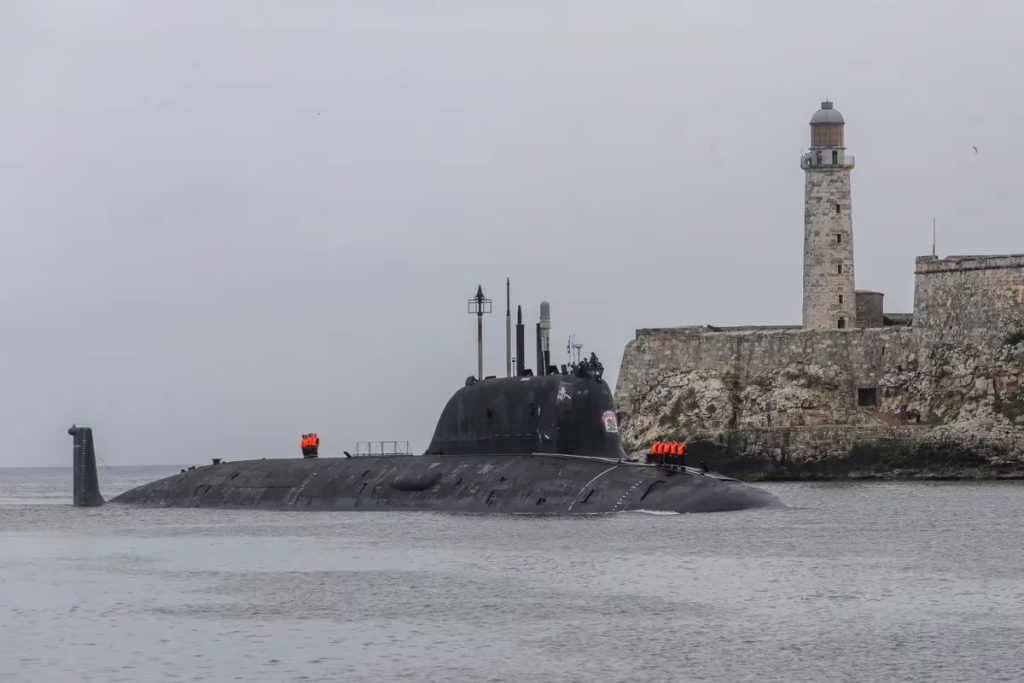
228, 223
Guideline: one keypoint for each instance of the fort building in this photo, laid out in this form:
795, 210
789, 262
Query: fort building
854, 390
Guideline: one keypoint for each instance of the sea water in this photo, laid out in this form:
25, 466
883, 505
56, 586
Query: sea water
849, 582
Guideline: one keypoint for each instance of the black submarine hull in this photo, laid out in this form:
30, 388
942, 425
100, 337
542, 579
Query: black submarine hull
539, 483
545, 445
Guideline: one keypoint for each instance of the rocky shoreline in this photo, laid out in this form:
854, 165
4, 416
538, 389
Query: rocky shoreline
980, 449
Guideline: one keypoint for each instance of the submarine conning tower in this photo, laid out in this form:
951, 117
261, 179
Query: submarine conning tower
568, 414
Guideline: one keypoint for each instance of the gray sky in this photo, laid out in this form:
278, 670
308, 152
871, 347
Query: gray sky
228, 223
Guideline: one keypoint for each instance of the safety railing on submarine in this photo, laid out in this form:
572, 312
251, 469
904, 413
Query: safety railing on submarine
382, 448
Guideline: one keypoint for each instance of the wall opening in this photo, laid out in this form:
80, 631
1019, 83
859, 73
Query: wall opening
839, 239
837, 208
835, 156
839, 269
840, 298
867, 397
841, 323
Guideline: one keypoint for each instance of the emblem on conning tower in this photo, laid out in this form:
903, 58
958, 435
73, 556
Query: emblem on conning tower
611, 425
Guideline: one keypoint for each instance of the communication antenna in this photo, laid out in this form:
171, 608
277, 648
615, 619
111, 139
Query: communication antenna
933, 239
573, 348
479, 305
508, 328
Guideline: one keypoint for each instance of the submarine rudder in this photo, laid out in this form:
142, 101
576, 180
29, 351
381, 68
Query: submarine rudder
86, 481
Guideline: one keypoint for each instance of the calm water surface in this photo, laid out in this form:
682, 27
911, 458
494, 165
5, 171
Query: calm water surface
851, 582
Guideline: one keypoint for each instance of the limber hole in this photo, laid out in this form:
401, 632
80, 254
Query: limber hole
541, 501
651, 488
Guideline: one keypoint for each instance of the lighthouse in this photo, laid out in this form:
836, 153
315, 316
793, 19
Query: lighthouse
829, 295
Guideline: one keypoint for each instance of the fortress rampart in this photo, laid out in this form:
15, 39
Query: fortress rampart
961, 295
943, 397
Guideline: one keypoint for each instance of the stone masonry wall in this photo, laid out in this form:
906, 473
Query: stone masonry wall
969, 294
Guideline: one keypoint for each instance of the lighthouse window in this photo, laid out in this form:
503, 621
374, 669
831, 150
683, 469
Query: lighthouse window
835, 157
840, 298
839, 239
839, 269
838, 208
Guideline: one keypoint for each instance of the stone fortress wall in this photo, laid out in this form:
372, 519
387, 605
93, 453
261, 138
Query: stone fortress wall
969, 294
854, 391
793, 403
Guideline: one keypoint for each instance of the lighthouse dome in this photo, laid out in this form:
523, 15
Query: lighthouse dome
827, 114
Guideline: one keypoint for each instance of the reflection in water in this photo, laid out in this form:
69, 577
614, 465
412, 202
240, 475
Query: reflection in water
864, 582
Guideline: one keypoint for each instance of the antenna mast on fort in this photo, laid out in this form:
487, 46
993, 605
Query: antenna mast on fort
933, 239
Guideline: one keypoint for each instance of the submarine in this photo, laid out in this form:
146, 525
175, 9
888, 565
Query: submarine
545, 444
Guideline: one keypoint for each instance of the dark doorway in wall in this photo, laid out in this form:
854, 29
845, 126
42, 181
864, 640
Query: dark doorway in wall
867, 397
841, 323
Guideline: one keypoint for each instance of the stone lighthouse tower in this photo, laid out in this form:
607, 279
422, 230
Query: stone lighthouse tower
829, 296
